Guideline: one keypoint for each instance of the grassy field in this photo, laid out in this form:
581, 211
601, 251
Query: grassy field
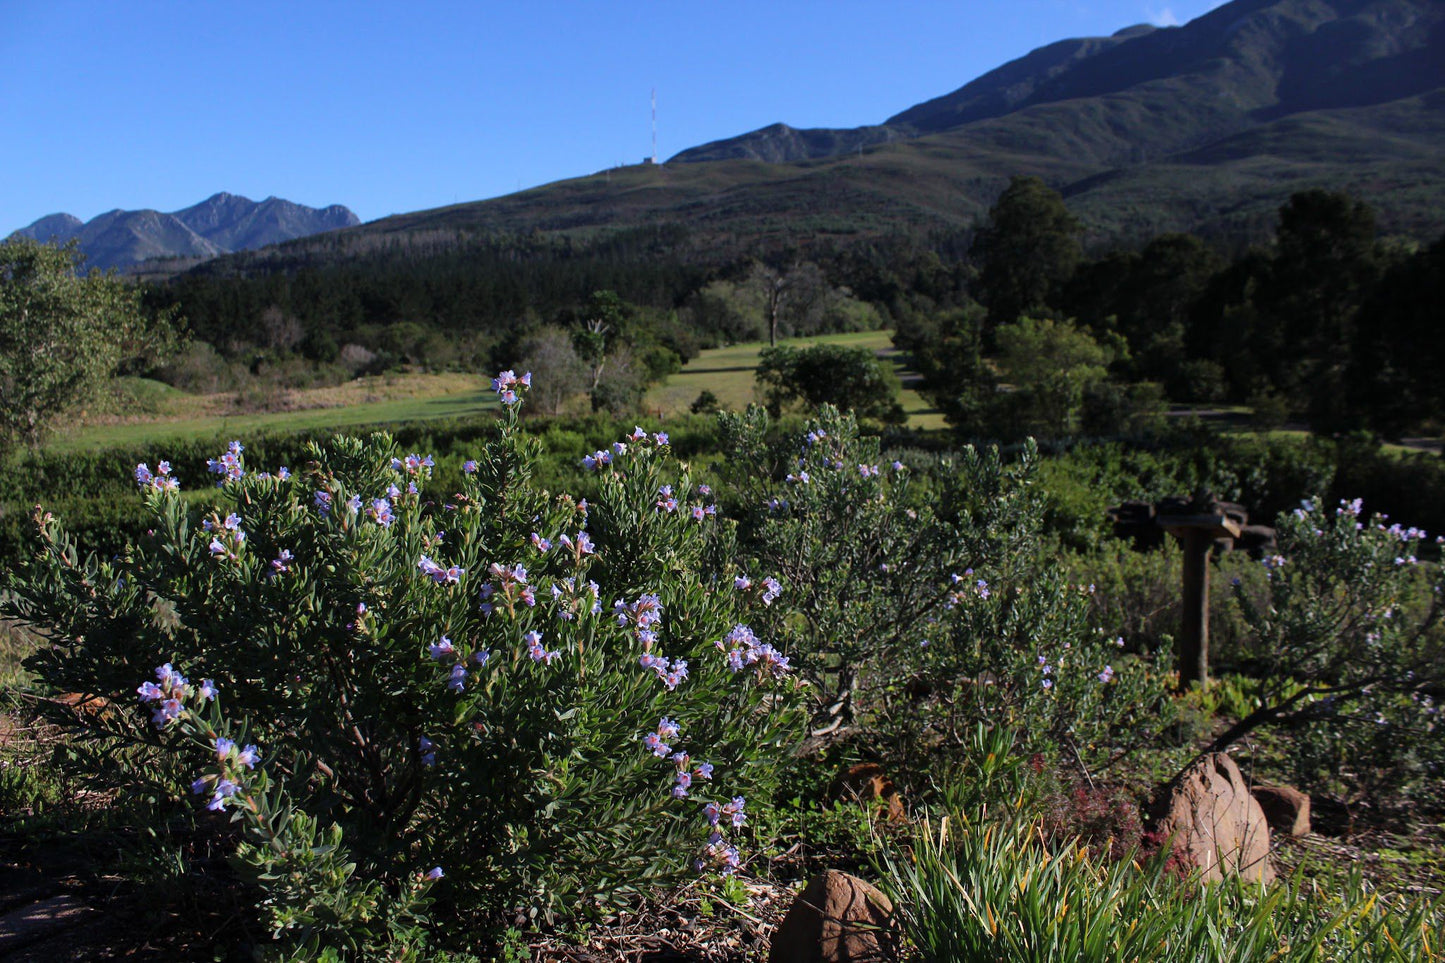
366, 401
150, 412
728, 373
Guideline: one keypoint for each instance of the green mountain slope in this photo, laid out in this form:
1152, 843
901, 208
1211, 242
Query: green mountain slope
1209, 127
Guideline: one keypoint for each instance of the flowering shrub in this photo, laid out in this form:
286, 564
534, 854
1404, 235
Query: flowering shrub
863, 546
1019, 651
921, 599
1349, 648
529, 694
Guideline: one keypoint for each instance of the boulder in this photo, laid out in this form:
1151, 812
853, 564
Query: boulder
1212, 822
837, 918
866, 782
1286, 810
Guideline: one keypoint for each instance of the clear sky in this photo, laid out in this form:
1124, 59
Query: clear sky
392, 107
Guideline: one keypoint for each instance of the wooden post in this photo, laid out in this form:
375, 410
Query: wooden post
1196, 534
1193, 647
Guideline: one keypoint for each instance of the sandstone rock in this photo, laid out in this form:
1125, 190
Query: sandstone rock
837, 918
866, 781
1213, 823
85, 704
1286, 810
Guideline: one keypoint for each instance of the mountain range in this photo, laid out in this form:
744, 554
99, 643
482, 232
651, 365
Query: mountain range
220, 224
1206, 127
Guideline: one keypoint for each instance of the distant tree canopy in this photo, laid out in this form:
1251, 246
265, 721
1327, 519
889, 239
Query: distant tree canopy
62, 334
1327, 323
847, 378
1026, 249
1330, 324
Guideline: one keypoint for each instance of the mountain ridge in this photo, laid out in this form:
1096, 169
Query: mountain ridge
221, 224
1206, 127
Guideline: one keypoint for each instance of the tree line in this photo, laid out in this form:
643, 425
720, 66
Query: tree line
1330, 324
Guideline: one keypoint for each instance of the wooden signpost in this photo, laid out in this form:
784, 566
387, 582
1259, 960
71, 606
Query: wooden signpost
1197, 535
1200, 523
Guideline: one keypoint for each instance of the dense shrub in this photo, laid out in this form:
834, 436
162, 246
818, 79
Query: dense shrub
556, 702
921, 601
829, 374
1347, 643
866, 549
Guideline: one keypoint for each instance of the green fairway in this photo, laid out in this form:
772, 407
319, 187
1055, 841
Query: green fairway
729, 374
380, 412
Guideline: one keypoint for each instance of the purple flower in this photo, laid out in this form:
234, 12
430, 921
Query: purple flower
380, 512
536, 650
734, 810
207, 690
322, 501
414, 464
1107, 674
282, 563
161, 480
442, 649
581, 545
506, 384
458, 681
773, 590
435, 873
225, 789
469, 467
704, 770
438, 574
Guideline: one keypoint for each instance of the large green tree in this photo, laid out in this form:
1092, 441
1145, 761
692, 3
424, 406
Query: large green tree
1028, 248
829, 374
62, 333
1326, 264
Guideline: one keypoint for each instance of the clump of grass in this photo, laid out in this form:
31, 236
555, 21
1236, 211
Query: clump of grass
15, 644
987, 890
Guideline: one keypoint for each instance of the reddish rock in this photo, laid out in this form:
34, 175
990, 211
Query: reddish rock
85, 704
1286, 810
866, 782
837, 918
1213, 823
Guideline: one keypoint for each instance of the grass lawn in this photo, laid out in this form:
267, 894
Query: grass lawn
146, 413
729, 374
381, 400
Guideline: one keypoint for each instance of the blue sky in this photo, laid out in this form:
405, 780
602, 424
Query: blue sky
391, 107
